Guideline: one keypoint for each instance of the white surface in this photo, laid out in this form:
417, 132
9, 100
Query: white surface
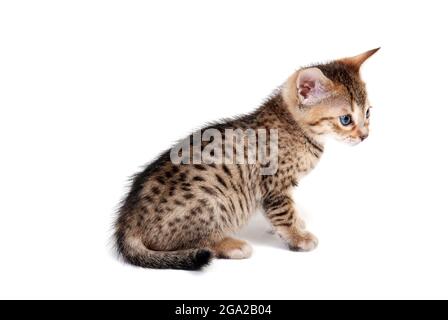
92, 90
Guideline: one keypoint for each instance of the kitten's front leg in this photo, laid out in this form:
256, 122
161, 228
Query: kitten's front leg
280, 210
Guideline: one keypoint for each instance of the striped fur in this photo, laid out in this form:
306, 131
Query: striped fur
181, 216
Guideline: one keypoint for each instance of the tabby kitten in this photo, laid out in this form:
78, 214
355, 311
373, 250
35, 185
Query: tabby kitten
181, 215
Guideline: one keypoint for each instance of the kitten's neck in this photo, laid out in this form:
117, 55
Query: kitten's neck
278, 106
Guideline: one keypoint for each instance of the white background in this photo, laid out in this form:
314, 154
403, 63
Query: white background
92, 90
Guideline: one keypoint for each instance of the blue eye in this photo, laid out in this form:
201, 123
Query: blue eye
345, 120
368, 114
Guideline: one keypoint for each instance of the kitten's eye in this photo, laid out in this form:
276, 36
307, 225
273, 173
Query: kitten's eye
345, 120
368, 113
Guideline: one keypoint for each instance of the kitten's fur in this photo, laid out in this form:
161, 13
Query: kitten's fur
180, 216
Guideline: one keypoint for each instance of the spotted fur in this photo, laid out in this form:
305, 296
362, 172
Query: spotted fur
180, 216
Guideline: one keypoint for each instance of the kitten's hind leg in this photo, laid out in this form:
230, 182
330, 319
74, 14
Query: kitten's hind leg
230, 248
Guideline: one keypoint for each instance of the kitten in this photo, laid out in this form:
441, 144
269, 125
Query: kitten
181, 215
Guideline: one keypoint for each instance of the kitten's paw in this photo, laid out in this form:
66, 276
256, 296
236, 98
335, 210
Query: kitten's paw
306, 241
239, 253
233, 249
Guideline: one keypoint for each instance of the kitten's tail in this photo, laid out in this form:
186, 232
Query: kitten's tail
135, 252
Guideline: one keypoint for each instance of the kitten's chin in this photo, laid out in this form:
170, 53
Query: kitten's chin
352, 142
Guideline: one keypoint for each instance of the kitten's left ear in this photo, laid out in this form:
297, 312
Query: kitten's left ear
356, 61
312, 86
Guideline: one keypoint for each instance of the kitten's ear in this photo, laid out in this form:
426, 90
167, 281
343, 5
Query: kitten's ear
312, 86
356, 61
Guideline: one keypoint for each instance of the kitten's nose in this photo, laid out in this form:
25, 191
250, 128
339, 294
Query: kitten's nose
364, 136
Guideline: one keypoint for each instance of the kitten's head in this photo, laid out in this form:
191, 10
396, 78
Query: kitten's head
331, 99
